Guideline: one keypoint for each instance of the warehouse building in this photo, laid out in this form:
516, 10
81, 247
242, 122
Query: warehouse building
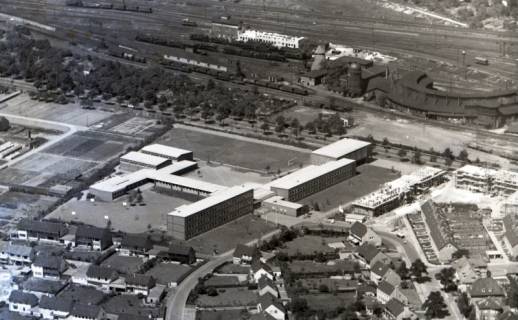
221, 207
168, 152
345, 148
134, 161
112, 188
275, 39
312, 179
225, 30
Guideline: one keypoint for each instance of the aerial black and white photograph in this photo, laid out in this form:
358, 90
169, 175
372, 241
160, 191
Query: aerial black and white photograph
258, 159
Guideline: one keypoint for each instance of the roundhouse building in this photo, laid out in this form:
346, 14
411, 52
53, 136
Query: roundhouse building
221, 207
415, 93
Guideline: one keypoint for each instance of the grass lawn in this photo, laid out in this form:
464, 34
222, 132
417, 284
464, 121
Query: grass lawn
369, 179
168, 273
123, 264
231, 151
218, 314
233, 297
226, 237
328, 301
309, 244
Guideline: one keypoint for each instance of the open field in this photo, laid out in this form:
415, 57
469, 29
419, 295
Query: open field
232, 297
244, 154
369, 179
167, 273
70, 113
227, 236
218, 314
328, 301
308, 245
132, 219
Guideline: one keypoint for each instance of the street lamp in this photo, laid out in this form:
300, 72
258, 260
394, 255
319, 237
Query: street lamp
464, 64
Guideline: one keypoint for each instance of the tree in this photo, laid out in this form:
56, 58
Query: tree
463, 155
299, 305
417, 157
212, 292
385, 141
447, 278
448, 154
460, 253
418, 268
435, 306
402, 153
465, 307
265, 127
403, 271
323, 288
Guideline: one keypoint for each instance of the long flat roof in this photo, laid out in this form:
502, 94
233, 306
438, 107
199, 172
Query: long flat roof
165, 150
166, 174
341, 148
214, 199
140, 157
307, 174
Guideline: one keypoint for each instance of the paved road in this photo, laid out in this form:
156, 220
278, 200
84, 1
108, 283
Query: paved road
176, 302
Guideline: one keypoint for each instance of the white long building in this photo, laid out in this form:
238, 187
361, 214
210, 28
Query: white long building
345, 148
485, 180
275, 39
135, 160
168, 152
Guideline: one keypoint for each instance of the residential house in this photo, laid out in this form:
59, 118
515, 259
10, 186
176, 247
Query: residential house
489, 308
484, 288
367, 254
396, 310
268, 304
101, 276
386, 291
55, 307
82, 311
139, 284
260, 269
51, 267
381, 271
245, 254
360, 234
19, 253
465, 273
135, 245
93, 237
45, 231
178, 253
266, 285
22, 302
508, 315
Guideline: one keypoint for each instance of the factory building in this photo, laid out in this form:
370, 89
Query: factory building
168, 152
134, 161
312, 179
275, 39
488, 181
393, 193
346, 148
221, 207
112, 188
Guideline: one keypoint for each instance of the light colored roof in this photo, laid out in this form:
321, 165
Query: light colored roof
165, 175
214, 199
280, 201
476, 171
143, 158
307, 174
341, 148
165, 151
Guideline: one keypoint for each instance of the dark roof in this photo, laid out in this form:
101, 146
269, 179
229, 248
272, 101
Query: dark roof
91, 232
380, 268
395, 307
386, 287
257, 264
54, 303
50, 262
180, 249
137, 242
268, 299
358, 229
486, 287
381, 84
99, 272
264, 281
19, 250
83, 294
367, 251
43, 285
23, 298
315, 73
243, 250
87, 311
140, 280
56, 228
126, 316
374, 71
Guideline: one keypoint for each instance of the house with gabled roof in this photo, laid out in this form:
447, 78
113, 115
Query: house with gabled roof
266, 285
368, 255
178, 253
55, 307
51, 267
101, 276
360, 234
244, 254
22, 302
465, 273
484, 288
489, 308
382, 271
268, 304
386, 291
19, 253
260, 269
81, 311
135, 245
93, 237
45, 231
139, 284
397, 310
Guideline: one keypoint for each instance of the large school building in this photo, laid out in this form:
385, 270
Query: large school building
345, 148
